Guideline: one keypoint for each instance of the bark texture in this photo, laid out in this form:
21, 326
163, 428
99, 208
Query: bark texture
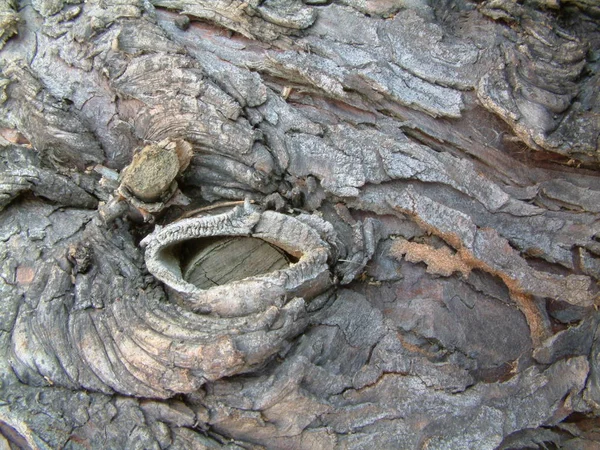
427, 170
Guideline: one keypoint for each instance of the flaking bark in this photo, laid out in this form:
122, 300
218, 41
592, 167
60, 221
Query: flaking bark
433, 167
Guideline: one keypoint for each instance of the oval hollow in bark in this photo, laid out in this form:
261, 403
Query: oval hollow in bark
307, 277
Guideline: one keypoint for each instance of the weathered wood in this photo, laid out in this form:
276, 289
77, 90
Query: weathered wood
151, 173
220, 261
429, 278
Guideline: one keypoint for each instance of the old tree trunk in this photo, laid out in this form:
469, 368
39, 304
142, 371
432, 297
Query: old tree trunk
406, 247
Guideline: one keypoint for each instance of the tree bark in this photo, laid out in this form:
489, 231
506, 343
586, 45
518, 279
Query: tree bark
420, 183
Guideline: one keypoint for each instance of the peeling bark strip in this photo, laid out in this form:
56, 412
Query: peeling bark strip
401, 200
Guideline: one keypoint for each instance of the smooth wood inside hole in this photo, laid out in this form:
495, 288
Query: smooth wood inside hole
216, 261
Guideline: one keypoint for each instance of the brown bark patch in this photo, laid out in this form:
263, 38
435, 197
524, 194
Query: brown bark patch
25, 275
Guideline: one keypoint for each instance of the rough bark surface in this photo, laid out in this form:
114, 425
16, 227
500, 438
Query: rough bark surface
429, 170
